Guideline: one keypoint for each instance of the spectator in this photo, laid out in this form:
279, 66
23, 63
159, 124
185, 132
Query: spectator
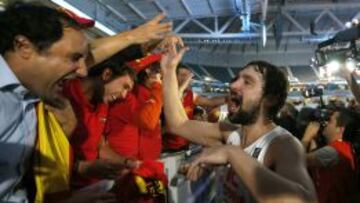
90, 97
34, 64
333, 166
53, 54
133, 128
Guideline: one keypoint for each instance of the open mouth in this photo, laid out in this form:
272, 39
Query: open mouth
59, 85
235, 104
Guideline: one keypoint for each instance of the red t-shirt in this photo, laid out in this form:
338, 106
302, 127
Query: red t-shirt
336, 183
133, 130
175, 142
91, 119
150, 139
133, 127
122, 133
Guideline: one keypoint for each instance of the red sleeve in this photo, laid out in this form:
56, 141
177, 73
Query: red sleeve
148, 115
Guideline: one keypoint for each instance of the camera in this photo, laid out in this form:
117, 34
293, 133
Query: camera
345, 45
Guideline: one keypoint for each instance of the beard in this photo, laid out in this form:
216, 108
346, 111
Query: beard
245, 117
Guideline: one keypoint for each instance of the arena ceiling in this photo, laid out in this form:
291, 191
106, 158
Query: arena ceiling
223, 35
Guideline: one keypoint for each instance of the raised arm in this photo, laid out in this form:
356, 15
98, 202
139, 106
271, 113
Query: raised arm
176, 118
103, 48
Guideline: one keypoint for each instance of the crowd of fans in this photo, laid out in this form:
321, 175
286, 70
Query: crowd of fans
87, 121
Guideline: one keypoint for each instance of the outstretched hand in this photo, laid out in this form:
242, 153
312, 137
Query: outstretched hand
152, 30
172, 57
168, 41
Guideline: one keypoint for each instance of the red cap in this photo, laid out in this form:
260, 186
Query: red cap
142, 63
86, 23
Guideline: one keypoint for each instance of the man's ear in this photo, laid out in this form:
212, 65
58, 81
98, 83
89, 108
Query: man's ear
106, 75
23, 46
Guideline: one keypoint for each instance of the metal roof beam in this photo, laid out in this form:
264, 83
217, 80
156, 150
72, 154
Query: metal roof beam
181, 26
227, 24
231, 72
136, 10
315, 6
113, 11
293, 21
159, 6
250, 35
336, 19
203, 26
211, 6
186, 6
238, 60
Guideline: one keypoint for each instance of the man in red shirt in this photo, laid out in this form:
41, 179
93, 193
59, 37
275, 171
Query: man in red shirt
90, 96
333, 166
133, 128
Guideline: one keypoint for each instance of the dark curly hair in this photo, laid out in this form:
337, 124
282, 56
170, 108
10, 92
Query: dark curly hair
276, 85
42, 25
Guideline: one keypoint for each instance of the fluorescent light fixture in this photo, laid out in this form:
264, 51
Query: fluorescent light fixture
98, 25
322, 72
350, 64
333, 67
348, 24
206, 78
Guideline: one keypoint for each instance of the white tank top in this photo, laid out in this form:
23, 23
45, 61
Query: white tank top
234, 190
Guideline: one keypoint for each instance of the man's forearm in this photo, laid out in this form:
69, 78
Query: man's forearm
306, 144
174, 111
103, 48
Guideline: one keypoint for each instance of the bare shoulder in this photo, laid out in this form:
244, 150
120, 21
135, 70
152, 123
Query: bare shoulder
285, 148
287, 159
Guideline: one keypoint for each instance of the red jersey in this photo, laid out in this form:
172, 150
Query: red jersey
175, 142
122, 133
91, 119
337, 183
133, 128
150, 138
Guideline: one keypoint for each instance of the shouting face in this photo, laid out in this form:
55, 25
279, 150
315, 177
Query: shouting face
246, 96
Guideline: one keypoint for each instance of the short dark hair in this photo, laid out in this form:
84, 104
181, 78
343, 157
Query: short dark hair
42, 25
345, 116
276, 85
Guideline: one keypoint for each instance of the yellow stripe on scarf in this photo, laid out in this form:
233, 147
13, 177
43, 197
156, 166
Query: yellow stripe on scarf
52, 159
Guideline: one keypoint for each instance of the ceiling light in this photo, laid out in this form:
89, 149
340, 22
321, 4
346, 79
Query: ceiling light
350, 64
333, 67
